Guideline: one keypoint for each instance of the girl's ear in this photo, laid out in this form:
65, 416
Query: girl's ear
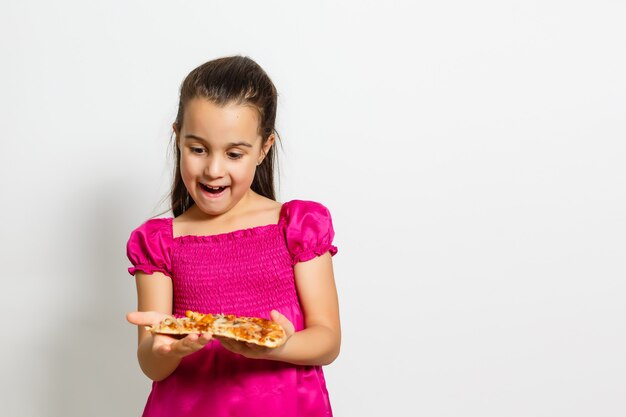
267, 145
177, 133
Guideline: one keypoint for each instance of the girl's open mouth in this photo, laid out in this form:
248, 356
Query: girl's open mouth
213, 191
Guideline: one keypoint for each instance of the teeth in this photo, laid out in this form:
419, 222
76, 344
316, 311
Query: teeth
213, 190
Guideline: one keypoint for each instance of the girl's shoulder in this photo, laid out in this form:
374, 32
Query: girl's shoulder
308, 229
302, 203
157, 226
303, 207
148, 246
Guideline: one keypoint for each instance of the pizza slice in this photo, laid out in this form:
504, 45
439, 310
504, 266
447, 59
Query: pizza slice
255, 330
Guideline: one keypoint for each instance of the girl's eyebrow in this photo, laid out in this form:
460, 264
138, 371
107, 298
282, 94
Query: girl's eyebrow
230, 144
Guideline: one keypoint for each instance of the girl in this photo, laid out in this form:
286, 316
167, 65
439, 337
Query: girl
231, 248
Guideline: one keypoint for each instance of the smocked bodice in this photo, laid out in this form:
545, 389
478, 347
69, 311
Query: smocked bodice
247, 273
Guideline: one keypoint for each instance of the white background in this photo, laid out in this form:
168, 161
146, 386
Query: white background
472, 154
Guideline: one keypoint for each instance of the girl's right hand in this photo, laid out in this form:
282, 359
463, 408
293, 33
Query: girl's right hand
167, 346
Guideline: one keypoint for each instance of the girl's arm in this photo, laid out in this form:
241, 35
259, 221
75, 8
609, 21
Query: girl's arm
159, 355
319, 342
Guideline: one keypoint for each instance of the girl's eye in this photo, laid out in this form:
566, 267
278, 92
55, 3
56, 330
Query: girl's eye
234, 155
197, 150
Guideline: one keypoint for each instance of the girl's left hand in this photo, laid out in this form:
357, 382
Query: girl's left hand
252, 351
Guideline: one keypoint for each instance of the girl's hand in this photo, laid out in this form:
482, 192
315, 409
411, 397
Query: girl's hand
252, 351
167, 346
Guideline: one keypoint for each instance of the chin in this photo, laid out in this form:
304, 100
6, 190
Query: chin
217, 208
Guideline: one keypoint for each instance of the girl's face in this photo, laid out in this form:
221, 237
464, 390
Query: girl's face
220, 148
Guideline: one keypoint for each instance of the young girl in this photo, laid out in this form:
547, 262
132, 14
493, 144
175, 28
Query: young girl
231, 248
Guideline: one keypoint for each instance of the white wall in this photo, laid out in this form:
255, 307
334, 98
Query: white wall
472, 154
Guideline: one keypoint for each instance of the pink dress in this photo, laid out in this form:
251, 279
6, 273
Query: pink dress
247, 272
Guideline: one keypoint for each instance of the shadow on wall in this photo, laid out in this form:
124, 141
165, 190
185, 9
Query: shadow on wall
94, 370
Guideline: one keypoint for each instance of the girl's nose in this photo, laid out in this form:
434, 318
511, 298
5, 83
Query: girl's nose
215, 168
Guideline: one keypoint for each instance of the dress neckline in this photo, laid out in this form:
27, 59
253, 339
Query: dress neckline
234, 234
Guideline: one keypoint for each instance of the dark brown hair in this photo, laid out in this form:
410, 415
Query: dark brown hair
239, 80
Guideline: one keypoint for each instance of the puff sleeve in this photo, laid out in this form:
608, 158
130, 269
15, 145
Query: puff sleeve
148, 248
308, 230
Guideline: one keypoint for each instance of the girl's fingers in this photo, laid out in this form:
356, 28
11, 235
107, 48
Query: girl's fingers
233, 346
145, 318
249, 350
228, 345
164, 349
283, 321
192, 343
